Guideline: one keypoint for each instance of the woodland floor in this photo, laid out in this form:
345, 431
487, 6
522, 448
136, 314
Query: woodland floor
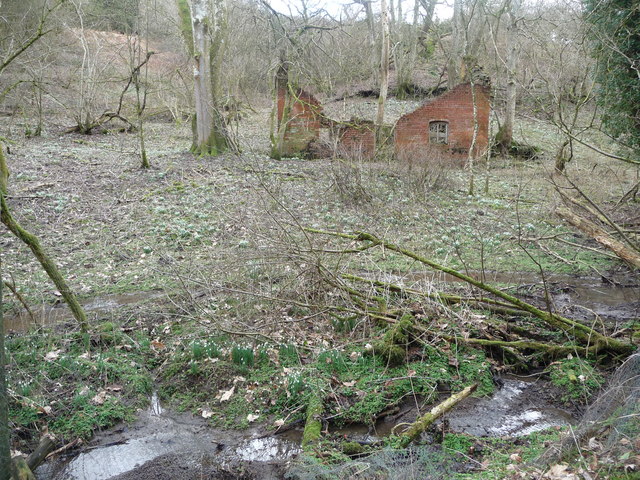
213, 255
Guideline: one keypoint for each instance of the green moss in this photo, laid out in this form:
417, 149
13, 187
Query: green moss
352, 448
579, 380
313, 425
392, 347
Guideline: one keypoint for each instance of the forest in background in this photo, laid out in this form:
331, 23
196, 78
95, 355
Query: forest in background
244, 268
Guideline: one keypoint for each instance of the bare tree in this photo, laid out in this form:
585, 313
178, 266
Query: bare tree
505, 135
293, 36
384, 67
203, 25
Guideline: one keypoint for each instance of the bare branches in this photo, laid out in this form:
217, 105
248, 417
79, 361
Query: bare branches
40, 32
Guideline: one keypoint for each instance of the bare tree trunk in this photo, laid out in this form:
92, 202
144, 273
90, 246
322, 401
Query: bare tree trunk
505, 136
279, 119
457, 42
384, 68
208, 24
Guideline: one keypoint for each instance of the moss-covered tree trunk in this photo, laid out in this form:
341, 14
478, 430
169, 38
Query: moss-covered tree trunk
5, 450
209, 30
4, 171
281, 112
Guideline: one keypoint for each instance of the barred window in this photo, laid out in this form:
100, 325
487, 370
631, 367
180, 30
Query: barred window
439, 133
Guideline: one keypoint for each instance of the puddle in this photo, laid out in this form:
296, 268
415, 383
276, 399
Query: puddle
50, 315
517, 409
266, 449
159, 434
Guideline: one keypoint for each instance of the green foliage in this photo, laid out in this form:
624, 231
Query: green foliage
457, 442
616, 35
577, 378
83, 418
288, 355
243, 356
111, 371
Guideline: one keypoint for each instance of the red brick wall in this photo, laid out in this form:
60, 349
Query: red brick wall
454, 107
357, 140
303, 124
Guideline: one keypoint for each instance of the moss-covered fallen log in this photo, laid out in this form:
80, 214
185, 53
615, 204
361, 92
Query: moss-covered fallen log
553, 351
313, 425
424, 422
584, 334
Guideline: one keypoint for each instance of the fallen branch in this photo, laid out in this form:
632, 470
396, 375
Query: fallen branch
45, 447
424, 422
583, 333
600, 235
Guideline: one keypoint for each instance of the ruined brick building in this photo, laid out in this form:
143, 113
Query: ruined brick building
442, 125
446, 123
299, 118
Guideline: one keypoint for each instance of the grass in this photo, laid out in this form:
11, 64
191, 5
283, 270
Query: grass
577, 378
74, 390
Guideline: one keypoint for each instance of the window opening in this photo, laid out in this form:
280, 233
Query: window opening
439, 133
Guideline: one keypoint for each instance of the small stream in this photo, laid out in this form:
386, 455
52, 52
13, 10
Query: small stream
160, 433
579, 298
514, 410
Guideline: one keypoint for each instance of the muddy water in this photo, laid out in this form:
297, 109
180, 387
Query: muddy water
580, 297
157, 434
515, 410
161, 440
51, 315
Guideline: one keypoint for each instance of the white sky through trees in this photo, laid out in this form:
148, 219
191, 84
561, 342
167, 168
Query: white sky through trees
336, 7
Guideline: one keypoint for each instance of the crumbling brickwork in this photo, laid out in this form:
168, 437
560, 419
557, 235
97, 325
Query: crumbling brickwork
301, 113
445, 124
357, 139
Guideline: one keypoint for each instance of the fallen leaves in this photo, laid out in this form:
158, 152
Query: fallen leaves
53, 355
225, 396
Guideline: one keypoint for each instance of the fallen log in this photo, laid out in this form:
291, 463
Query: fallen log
581, 332
313, 426
45, 447
600, 235
424, 422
